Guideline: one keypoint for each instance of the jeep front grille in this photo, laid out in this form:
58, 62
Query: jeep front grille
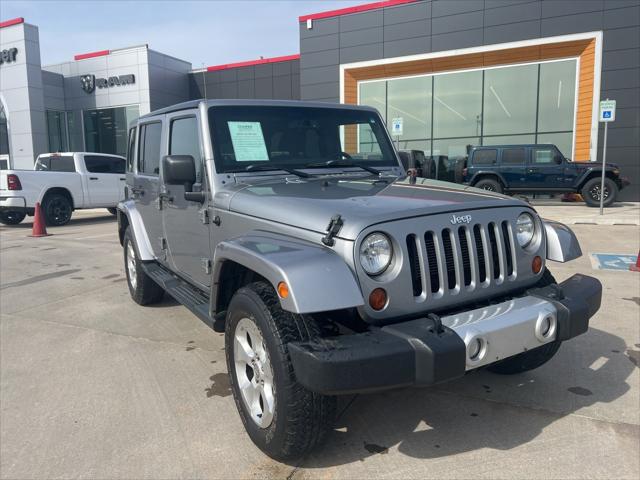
461, 258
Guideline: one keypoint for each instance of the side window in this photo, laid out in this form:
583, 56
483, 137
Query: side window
513, 156
62, 164
184, 140
543, 156
149, 148
131, 150
485, 157
97, 164
43, 164
118, 165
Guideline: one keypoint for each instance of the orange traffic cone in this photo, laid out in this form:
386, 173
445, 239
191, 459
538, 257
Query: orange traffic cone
39, 228
636, 267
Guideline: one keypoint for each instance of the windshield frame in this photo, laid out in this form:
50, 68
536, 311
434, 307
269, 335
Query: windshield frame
218, 114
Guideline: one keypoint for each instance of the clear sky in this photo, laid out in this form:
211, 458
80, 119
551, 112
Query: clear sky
208, 32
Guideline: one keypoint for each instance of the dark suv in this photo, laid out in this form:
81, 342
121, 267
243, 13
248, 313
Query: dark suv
539, 169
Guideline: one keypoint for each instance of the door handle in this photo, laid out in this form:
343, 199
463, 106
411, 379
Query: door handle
93, 178
137, 190
122, 179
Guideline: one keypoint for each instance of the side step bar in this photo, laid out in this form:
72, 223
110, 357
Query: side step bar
191, 297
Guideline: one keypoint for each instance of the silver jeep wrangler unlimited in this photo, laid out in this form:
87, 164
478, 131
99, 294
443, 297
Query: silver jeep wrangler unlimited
293, 228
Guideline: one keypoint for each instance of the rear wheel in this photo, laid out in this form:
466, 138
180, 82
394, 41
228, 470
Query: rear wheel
282, 417
533, 358
11, 218
57, 209
489, 184
591, 192
143, 290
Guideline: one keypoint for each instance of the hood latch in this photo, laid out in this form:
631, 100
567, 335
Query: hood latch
332, 230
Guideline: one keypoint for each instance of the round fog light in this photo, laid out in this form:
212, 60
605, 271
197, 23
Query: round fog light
475, 349
545, 327
378, 298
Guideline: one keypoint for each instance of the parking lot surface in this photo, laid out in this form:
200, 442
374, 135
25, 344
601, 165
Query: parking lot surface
94, 386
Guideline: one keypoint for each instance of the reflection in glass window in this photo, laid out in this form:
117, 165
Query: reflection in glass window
509, 140
74, 128
184, 140
4, 133
563, 141
457, 104
56, 131
510, 100
149, 149
106, 129
410, 99
453, 147
374, 95
557, 96
543, 155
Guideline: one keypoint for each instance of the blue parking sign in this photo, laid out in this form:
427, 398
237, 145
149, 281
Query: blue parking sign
612, 261
606, 114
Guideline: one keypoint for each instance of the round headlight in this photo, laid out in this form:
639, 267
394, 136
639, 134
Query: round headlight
375, 253
525, 229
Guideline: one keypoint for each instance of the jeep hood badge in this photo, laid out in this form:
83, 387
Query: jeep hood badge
458, 219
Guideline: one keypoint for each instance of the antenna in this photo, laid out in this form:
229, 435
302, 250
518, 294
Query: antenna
204, 80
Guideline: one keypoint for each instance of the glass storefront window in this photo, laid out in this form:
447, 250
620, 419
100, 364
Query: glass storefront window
4, 133
410, 99
454, 147
510, 100
509, 140
457, 104
105, 130
557, 96
74, 129
57, 131
374, 94
563, 141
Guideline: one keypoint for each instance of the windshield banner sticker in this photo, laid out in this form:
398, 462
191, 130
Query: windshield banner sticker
248, 141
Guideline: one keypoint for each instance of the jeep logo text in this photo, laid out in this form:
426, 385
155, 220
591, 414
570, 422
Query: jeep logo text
457, 219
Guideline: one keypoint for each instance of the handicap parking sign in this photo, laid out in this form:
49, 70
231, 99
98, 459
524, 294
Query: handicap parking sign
612, 261
606, 114
607, 111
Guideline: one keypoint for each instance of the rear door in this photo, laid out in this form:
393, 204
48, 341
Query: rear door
513, 162
146, 183
184, 228
102, 181
543, 173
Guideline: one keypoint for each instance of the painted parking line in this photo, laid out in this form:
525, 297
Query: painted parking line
612, 261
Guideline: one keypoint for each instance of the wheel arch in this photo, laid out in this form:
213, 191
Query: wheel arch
590, 175
129, 216
60, 191
490, 175
305, 267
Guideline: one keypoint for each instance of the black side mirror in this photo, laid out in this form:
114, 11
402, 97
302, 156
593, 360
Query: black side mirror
557, 159
179, 170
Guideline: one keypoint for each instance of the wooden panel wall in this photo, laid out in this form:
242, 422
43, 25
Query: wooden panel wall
584, 49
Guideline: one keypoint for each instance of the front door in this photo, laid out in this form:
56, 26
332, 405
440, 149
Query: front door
185, 229
545, 170
512, 166
145, 184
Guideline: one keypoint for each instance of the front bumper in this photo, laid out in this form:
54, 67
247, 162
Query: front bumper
422, 352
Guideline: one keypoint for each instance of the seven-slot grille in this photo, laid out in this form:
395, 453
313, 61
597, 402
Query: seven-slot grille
461, 258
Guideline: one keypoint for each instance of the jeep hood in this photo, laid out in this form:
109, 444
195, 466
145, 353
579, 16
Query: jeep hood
310, 203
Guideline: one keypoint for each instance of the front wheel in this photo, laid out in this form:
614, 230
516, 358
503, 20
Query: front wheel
143, 290
113, 211
282, 417
591, 192
11, 218
489, 184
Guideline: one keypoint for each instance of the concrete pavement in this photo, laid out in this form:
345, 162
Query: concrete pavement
94, 386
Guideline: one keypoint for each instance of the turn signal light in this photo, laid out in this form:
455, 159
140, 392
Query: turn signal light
536, 264
378, 298
13, 182
283, 290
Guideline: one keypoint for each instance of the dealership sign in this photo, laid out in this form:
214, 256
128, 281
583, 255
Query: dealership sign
8, 55
89, 82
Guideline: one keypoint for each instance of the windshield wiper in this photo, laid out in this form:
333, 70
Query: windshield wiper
265, 168
343, 163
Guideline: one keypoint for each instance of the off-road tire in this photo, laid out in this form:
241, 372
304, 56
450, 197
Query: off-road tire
595, 183
11, 218
57, 209
535, 358
302, 419
113, 211
489, 184
144, 291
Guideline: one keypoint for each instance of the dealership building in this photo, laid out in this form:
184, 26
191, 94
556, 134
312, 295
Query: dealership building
458, 72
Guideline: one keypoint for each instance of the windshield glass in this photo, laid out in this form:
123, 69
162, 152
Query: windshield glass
296, 137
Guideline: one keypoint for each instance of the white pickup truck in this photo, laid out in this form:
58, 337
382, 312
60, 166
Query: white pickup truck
62, 183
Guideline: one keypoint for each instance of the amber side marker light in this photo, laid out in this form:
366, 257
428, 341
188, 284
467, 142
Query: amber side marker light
536, 264
283, 290
378, 298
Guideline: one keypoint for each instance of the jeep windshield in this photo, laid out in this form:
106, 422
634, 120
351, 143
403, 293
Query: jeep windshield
263, 138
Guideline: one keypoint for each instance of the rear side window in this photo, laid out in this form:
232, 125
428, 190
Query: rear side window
56, 164
149, 150
184, 140
485, 157
104, 164
131, 150
513, 156
543, 156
